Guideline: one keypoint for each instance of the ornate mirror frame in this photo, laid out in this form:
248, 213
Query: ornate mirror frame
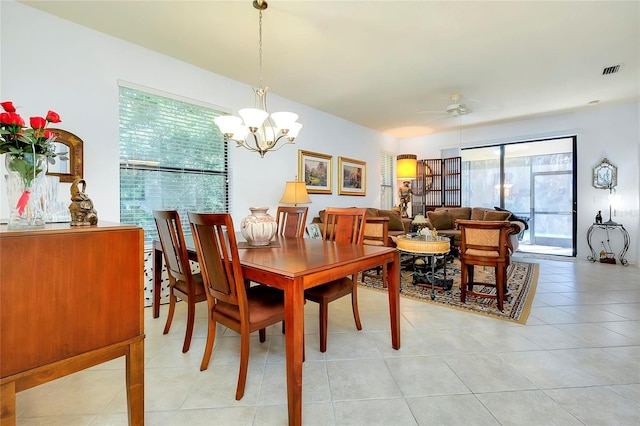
74, 149
605, 175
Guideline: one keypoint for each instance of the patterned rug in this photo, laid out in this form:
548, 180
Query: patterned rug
522, 280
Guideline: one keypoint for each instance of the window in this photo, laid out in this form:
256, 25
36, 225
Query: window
386, 180
172, 156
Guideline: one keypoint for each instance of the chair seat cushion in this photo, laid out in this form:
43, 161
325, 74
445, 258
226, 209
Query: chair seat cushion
264, 302
330, 291
483, 253
198, 284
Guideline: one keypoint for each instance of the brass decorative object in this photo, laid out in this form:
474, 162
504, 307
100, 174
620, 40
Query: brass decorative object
70, 167
405, 192
81, 207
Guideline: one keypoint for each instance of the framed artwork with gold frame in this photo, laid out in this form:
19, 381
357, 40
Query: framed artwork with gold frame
352, 177
314, 169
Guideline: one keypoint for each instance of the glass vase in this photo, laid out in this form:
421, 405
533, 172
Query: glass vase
259, 227
24, 175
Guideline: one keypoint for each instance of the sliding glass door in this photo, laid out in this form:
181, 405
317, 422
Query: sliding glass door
534, 180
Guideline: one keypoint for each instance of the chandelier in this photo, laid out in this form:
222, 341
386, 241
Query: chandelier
258, 131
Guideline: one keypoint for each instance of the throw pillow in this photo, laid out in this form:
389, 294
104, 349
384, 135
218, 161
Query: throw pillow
395, 220
496, 215
371, 212
459, 213
440, 219
514, 218
477, 213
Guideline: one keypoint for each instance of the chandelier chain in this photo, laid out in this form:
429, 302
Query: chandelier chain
260, 46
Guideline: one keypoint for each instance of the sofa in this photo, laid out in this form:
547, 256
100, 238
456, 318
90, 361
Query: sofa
397, 224
443, 220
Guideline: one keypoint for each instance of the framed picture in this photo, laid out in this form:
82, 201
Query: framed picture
315, 170
313, 230
352, 177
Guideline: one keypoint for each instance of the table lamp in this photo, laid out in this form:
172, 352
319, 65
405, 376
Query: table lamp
419, 221
295, 193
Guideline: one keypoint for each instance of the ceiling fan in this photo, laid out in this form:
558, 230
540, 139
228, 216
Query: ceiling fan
455, 109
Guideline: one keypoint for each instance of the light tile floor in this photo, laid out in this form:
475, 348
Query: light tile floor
575, 362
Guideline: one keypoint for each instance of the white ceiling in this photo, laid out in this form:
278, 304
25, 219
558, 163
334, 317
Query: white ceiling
379, 63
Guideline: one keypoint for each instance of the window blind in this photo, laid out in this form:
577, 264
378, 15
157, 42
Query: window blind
387, 162
172, 156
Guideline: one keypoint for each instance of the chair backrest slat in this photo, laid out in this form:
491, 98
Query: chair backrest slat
344, 224
217, 251
291, 221
173, 245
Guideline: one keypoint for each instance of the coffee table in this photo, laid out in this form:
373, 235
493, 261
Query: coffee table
432, 248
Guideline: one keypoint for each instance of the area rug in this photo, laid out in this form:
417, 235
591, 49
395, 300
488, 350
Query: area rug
522, 278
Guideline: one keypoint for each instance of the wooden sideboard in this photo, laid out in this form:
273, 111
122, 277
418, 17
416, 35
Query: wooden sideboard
70, 298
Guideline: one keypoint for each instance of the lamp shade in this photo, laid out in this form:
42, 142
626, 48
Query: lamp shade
253, 117
419, 219
228, 124
406, 166
295, 193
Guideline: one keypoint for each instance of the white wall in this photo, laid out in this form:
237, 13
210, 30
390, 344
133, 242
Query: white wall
611, 132
49, 63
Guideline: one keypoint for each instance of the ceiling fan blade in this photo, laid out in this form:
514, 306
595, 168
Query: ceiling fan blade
440, 117
432, 112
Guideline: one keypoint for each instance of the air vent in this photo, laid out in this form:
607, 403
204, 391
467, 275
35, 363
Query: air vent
611, 70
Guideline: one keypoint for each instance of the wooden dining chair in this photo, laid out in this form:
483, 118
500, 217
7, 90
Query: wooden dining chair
242, 309
344, 225
484, 243
291, 221
183, 283
376, 233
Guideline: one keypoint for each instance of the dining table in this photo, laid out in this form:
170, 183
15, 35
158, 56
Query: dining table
296, 264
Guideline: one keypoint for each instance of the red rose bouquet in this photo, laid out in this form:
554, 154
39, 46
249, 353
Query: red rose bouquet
16, 139
27, 152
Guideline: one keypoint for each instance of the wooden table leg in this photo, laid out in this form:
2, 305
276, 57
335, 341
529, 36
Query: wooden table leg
294, 339
157, 279
394, 300
135, 383
8, 404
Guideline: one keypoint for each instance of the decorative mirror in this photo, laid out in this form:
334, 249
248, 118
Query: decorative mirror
69, 166
605, 175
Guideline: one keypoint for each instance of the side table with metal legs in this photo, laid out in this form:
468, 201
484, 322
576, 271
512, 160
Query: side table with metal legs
432, 249
607, 226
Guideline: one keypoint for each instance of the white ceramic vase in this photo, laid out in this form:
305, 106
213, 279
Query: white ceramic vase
259, 227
